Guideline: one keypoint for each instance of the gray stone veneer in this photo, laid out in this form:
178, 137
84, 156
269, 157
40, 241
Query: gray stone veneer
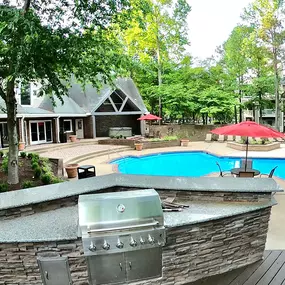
191, 252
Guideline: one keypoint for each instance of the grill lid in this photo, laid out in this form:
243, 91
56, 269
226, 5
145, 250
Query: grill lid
114, 211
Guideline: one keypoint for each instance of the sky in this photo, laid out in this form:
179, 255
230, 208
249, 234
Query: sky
211, 22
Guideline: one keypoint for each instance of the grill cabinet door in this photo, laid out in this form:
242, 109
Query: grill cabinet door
54, 271
143, 264
106, 269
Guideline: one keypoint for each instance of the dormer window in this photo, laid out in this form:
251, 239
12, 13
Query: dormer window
25, 94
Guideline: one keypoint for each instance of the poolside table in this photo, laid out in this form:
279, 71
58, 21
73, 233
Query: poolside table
236, 171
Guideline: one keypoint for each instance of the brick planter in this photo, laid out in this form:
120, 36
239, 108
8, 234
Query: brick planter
254, 147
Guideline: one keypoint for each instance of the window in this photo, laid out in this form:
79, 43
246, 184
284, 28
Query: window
67, 125
25, 94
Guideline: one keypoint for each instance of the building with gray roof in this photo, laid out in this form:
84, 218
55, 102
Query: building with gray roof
87, 112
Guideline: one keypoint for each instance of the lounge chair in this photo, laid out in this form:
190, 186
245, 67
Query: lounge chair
270, 175
248, 164
230, 138
221, 138
208, 138
280, 139
238, 138
246, 174
223, 173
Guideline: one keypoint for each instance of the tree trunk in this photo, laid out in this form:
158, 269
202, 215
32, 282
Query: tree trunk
11, 105
159, 72
236, 120
260, 108
276, 91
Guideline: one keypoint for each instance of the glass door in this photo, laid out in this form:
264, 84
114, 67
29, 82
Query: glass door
41, 132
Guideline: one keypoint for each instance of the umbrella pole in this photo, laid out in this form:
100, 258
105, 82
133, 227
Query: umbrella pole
246, 151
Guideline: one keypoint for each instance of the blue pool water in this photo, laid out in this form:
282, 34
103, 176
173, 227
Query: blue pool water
191, 164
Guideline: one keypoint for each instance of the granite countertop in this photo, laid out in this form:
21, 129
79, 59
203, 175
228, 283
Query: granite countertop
35, 195
62, 224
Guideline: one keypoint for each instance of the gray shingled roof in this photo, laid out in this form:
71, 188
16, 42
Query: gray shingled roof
90, 98
68, 106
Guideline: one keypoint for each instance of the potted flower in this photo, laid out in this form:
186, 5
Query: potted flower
21, 146
184, 142
138, 145
71, 170
73, 138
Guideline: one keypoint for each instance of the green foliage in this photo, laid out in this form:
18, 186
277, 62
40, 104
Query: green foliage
4, 187
47, 178
33, 156
37, 172
166, 138
23, 154
1, 153
4, 166
28, 184
56, 180
35, 165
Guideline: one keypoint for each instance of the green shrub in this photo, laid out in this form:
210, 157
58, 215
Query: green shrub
47, 178
37, 172
56, 180
4, 187
1, 153
28, 184
112, 137
34, 156
35, 165
117, 137
4, 165
23, 154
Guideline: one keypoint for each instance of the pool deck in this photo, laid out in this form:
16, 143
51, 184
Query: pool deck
276, 234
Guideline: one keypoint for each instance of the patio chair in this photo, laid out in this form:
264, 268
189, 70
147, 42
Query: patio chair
238, 138
221, 138
246, 174
208, 138
248, 165
223, 173
230, 138
270, 175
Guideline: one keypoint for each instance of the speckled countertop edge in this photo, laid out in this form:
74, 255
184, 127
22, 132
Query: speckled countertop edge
36, 195
66, 227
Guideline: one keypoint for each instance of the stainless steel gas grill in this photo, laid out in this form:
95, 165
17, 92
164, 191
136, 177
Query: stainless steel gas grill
122, 235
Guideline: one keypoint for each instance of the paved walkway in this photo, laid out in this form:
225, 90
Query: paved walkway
276, 234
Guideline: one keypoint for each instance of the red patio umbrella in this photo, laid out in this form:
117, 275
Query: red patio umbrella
149, 117
248, 129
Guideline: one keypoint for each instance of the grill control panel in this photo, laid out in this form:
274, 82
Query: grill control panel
96, 245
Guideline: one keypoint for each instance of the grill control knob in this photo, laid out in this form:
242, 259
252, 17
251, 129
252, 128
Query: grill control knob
133, 243
150, 239
142, 241
106, 246
92, 246
119, 244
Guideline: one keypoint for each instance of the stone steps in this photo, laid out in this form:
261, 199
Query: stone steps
91, 155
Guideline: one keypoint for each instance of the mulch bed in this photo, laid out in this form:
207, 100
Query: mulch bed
25, 173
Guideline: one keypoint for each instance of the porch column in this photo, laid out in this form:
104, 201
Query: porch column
23, 130
57, 130
94, 126
143, 126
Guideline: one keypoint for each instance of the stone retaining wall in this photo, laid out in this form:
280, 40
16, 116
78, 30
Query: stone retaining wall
254, 147
180, 195
191, 252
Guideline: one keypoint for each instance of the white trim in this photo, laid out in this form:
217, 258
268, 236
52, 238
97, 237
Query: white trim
119, 113
113, 104
71, 128
22, 127
4, 116
130, 97
38, 141
58, 130
94, 127
124, 103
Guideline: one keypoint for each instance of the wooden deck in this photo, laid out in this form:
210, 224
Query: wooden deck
269, 271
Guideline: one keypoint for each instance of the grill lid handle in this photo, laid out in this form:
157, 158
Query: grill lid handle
124, 228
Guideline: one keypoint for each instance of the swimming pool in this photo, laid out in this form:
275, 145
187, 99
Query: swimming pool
191, 164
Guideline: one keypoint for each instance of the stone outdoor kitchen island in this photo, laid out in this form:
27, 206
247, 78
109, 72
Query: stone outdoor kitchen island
224, 228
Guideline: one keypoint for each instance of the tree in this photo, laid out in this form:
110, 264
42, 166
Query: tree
48, 41
266, 18
235, 62
162, 40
